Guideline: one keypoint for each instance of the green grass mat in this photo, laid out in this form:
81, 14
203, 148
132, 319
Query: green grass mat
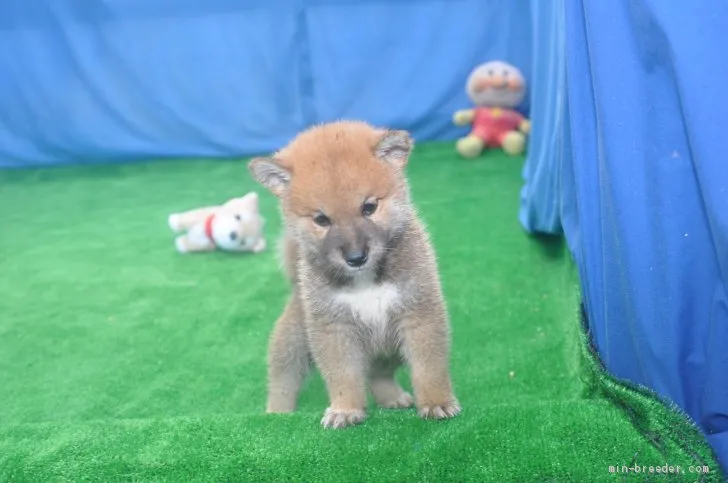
123, 360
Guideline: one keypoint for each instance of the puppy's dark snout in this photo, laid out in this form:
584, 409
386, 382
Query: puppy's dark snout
356, 257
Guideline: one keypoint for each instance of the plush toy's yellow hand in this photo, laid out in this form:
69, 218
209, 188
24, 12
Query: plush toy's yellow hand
463, 117
525, 126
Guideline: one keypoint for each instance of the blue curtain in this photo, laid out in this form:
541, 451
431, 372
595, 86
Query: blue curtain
634, 155
540, 195
127, 79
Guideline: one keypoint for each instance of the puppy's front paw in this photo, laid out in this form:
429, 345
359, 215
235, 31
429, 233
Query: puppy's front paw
439, 411
341, 418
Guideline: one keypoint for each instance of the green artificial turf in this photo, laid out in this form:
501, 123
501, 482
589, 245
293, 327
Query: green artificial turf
121, 359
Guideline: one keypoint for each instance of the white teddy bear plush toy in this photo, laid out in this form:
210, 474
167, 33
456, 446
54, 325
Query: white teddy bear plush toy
234, 226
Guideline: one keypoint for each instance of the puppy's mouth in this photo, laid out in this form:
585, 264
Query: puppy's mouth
368, 266
363, 274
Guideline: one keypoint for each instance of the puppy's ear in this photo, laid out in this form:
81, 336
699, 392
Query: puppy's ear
271, 174
394, 147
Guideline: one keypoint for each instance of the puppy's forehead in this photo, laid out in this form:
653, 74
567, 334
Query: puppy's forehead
340, 185
325, 145
334, 170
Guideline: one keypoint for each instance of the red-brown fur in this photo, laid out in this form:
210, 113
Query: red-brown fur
334, 170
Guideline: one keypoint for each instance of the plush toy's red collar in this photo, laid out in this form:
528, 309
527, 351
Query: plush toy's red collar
208, 227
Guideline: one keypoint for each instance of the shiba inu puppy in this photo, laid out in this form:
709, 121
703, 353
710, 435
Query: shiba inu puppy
366, 295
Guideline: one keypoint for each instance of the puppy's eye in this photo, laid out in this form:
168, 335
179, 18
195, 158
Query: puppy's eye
368, 208
237, 217
322, 220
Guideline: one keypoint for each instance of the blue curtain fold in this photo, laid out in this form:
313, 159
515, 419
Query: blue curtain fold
628, 159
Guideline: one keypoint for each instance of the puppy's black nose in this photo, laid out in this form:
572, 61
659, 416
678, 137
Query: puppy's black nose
356, 258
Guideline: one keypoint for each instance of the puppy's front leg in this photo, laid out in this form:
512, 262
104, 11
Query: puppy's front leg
426, 345
339, 357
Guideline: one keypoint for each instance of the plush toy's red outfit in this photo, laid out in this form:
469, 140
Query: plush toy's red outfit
491, 124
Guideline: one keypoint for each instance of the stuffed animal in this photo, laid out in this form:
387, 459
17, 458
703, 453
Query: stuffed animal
234, 226
496, 88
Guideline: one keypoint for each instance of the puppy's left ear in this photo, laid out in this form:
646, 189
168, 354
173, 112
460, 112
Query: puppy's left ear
394, 147
270, 173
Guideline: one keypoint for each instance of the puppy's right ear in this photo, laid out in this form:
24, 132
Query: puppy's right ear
271, 174
394, 146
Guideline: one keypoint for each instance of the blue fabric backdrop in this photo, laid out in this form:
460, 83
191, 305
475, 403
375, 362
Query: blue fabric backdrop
540, 196
123, 79
642, 186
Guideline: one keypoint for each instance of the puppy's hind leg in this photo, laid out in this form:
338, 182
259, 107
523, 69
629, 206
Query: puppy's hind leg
385, 389
289, 359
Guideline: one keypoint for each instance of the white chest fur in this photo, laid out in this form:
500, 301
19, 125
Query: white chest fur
370, 303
